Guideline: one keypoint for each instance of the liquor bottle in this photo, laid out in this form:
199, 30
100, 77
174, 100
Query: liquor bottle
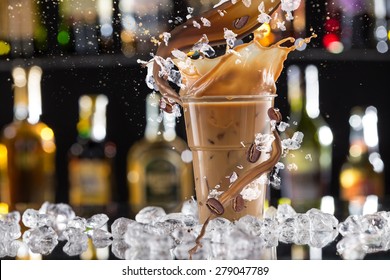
105, 9
362, 172
381, 25
5, 46
21, 27
40, 32
159, 165
29, 145
82, 17
143, 23
91, 157
307, 173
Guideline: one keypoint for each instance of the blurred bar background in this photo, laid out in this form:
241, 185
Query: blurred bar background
92, 47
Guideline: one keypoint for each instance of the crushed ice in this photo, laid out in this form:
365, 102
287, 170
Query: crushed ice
154, 234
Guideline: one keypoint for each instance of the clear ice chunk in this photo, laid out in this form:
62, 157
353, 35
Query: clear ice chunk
59, 214
249, 225
119, 227
284, 212
33, 219
350, 248
351, 225
150, 214
9, 248
79, 223
101, 238
9, 230
77, 241
119, 248
41, 240
97, 221
190, 208
320, 221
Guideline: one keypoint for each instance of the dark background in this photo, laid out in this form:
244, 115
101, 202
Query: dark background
354, 77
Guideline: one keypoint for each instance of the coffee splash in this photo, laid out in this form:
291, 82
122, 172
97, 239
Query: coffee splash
256, 66
241, 17
247, 69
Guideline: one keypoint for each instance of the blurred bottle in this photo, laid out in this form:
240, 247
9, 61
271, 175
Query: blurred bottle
307, 173
82, 18
143, 23
159, 165
91, 157
5, 46
65, 37
105, 10
21, 27
349, 25
381, 11
283, 25
29, 146
362, 172
40, 29
332, 29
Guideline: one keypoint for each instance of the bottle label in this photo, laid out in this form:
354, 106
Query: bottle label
27, 154
89, 182
161, 183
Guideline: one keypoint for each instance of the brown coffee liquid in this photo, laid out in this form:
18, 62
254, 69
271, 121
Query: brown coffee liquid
220, 132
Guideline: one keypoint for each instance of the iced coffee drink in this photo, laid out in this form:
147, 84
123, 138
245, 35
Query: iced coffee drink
221, 133
227, 102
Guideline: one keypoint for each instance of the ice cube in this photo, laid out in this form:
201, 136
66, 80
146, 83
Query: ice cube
373, 224
33, 219
270, 232
97, 221
78, 222
119, 227
9, 248
77, 242
150, 214
9, 230
320, 221
284, 212
239, 245
41, 240
350, 248
101, 238
250, 225
183, 235
190, 207
287, 230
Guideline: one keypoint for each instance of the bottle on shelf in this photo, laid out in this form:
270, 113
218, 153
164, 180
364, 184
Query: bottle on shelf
307, 173
362, 173
159, 165
21, 27
90, 165
28, 149
82, 18
284, 25
143, 23
381, 25
105, 10
5, 46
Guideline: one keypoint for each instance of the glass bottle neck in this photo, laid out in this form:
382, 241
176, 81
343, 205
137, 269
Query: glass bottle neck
160, 125
92, 117
27, 94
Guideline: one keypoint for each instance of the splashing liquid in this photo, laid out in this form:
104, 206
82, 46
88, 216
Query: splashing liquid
245, 70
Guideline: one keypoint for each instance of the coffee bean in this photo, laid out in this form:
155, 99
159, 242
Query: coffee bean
274, 114
215, 206
253, 154
239, 23
166, 105
238, 203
